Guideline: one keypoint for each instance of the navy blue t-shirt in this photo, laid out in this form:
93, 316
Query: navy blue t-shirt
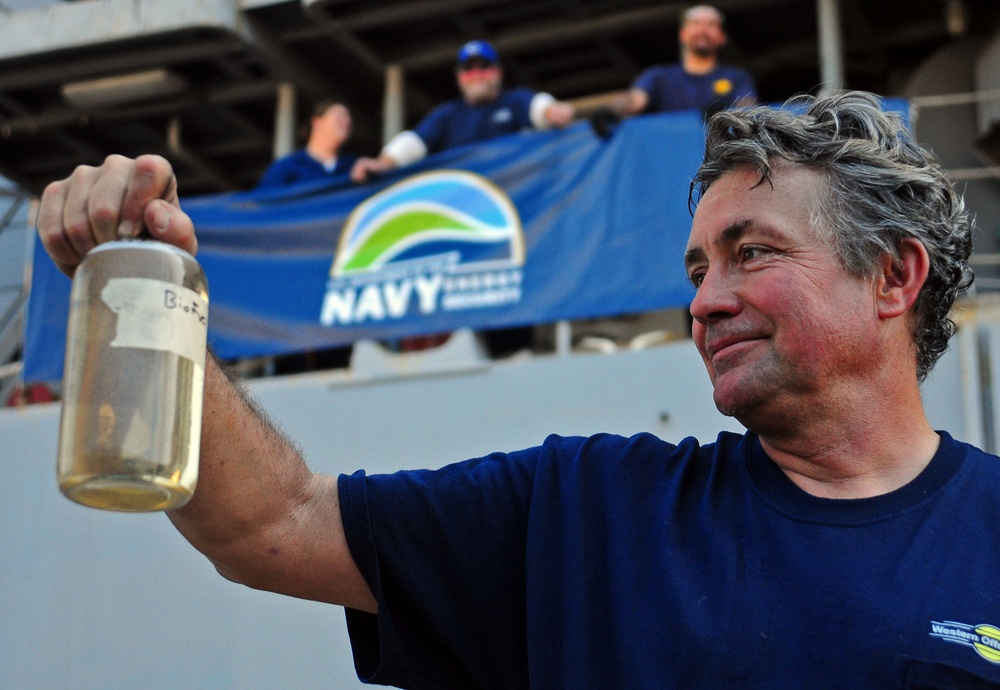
670, 88
456, 123
611, 562
299, 166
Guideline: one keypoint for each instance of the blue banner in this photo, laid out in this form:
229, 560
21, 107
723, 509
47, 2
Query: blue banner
529, 228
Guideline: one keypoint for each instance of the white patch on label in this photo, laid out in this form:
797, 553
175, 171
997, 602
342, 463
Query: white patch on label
156, 315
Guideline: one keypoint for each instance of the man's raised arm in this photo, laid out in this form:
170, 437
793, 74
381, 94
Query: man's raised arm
258, 513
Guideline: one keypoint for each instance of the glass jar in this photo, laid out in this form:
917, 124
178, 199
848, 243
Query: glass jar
134, 378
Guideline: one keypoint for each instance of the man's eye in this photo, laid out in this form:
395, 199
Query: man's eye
750, 253
697, 278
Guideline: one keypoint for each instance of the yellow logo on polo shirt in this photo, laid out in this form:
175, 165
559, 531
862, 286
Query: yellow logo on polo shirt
984, 638
722, 86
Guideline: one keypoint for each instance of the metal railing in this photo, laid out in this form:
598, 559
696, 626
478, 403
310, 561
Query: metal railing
917, 103
13, 292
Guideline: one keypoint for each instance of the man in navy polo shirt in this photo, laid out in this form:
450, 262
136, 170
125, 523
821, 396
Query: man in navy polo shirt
484, 111
699, 81
840, 543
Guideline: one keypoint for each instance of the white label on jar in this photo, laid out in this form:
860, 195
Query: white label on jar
156, 315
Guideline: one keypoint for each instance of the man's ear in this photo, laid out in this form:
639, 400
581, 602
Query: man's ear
899, 282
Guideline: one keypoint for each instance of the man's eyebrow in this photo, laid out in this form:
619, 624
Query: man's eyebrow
730, 234
693, 256
733, 233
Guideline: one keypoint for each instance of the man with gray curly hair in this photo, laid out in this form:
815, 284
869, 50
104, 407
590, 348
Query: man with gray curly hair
878, 207
882, 188
840, 543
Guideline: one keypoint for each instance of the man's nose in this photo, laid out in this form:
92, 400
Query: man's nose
716, 298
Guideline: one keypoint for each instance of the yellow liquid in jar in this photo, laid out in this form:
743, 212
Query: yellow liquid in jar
134, 493
131, 419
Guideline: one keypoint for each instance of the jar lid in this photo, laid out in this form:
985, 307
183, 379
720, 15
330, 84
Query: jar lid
143, 244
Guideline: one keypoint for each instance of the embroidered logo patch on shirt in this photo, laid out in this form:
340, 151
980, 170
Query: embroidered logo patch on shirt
722, 86
983, 638
503, 115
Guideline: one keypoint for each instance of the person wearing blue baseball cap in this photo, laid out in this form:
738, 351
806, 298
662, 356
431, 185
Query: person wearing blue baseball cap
477, 49
485, 110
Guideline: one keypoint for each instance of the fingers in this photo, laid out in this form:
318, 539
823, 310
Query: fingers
361, 170
50, 227
364, 168
151, 178
560, 114
565, 114
117, 200
94, 206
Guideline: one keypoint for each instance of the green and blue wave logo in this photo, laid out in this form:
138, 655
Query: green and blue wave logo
446, 239
448, 215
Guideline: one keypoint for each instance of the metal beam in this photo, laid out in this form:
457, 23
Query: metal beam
555, 32
54, 118
122, 60
401, 13
284, 120
831, 45
394, 103
551, 34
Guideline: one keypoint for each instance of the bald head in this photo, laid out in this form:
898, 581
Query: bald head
703, 13
701, 36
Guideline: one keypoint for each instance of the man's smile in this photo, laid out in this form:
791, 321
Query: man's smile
723, 345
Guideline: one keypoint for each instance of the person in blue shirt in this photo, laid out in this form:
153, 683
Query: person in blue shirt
322, 158
699, 81
485, 110
841, 542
